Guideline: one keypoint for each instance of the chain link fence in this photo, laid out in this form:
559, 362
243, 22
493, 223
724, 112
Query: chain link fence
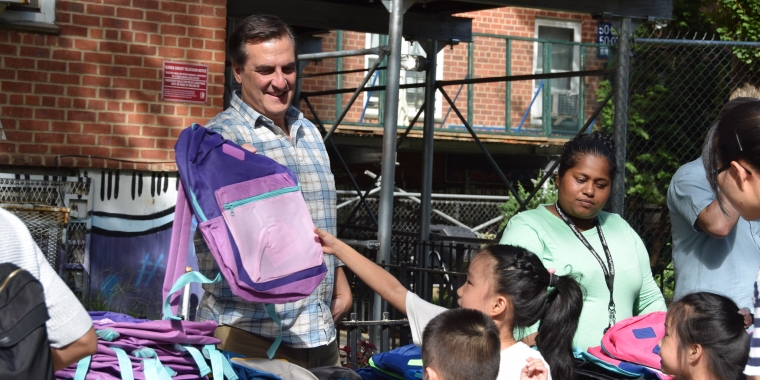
677, 88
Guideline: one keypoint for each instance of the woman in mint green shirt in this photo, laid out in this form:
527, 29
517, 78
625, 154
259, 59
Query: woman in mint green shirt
599, 247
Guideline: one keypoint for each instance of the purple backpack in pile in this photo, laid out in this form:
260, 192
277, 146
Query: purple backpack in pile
252, 215
130, 348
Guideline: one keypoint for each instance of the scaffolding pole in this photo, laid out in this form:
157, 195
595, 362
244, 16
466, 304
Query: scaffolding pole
622, 69
385, 217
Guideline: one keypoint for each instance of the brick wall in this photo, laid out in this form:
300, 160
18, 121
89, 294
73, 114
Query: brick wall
489, 61
95, 89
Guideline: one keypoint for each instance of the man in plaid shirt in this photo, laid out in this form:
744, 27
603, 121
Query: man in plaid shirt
261, 119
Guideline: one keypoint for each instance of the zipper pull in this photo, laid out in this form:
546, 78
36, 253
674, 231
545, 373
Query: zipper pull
230, 208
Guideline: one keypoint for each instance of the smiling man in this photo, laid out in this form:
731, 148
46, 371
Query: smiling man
260, 118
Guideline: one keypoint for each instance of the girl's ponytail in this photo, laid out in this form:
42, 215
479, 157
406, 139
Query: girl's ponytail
558, 325
520, 274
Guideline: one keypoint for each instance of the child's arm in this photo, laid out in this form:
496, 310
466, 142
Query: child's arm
534, 370
377, 278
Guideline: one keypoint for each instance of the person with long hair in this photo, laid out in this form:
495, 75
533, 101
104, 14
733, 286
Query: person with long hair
575, 235
731, 157
507, 283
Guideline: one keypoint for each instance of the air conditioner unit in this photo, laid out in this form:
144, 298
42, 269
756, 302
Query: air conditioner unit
564, 104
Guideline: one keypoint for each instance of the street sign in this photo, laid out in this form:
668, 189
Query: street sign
185, 82
605, 35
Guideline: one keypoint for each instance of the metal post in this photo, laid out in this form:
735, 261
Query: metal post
427, 155
622, 69
470, 75
582, 89
338, 77
508, 93
389, 145
546, 95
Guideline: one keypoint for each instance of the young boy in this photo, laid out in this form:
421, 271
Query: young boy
461, 344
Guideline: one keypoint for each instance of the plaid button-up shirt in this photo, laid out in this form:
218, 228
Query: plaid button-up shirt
306, 323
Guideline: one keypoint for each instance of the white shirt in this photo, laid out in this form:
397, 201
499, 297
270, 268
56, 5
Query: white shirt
512, 359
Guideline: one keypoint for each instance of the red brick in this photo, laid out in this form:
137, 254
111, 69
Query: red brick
197, 44
96, 34
187, 19
83, 44
18, 136
125, 153
34, 125
8, 49
33, 148
149, 27
32, 100
112, 141
199, 55
126, 130
67, 55
16, 99
100, 81
141, 37
113, 106
80, 19
145, 4
126, 83
170, 41
96, 104
112, 70
143, 73
140, 142
79, 103
98, 57
108, 93
171, 121
65, 126
16, 87
7, 74
171, 52
64, 150
173, 29
97, 129
111, 117
42, 113
83, 68
142, 49
32, 76
87, 92
141, 107
154, 154
141, 119
166, 143
114, 47
112, 34
77, 139
173, 6
153, 62
136, 14
18, 63
155, 131
156, 39
101, 10
96, 151
149, 96
72, 6
128, 60
155, 109
215, 45
49, 138
64, 78
213, 22
81, 115
115, 23
46, 65
51, 89
159, 17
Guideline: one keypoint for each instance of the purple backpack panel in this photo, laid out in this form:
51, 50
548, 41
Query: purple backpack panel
252, 215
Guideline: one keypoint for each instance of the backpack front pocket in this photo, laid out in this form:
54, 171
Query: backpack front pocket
271, 226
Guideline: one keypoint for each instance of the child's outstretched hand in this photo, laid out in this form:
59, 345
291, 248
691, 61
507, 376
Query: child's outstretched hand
329, 243
534, 370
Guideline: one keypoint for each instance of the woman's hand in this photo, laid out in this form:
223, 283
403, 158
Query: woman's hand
534, 370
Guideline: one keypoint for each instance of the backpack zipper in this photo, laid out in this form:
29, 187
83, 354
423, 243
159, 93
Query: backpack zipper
231, 206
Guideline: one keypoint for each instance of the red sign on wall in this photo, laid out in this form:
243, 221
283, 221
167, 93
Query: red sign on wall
185, 82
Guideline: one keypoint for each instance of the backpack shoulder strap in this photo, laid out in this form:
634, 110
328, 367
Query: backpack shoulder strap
177, 260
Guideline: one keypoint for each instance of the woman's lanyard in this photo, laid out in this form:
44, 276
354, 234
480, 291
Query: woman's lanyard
609, 275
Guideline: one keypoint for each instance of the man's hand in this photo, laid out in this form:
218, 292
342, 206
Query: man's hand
249, 148
747, 317
341, 299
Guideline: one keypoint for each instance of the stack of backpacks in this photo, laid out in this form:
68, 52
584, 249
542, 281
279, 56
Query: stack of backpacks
130, 348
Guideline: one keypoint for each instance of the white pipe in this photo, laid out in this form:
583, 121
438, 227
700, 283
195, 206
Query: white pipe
488, 223
444, 196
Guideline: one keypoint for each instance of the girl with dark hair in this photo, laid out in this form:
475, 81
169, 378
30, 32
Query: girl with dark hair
704, 339
732, 161
507, 283
575, 235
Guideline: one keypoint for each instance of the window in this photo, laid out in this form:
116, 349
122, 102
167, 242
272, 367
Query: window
563, 58
36, 15
410, 100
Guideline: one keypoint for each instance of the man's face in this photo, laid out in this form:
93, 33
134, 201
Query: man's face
268, 79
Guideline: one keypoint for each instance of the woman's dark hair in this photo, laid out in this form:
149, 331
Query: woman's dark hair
520, 275
736, 135
597, 144
256, 29
712, 321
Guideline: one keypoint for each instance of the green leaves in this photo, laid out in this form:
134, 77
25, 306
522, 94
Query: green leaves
547, 195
